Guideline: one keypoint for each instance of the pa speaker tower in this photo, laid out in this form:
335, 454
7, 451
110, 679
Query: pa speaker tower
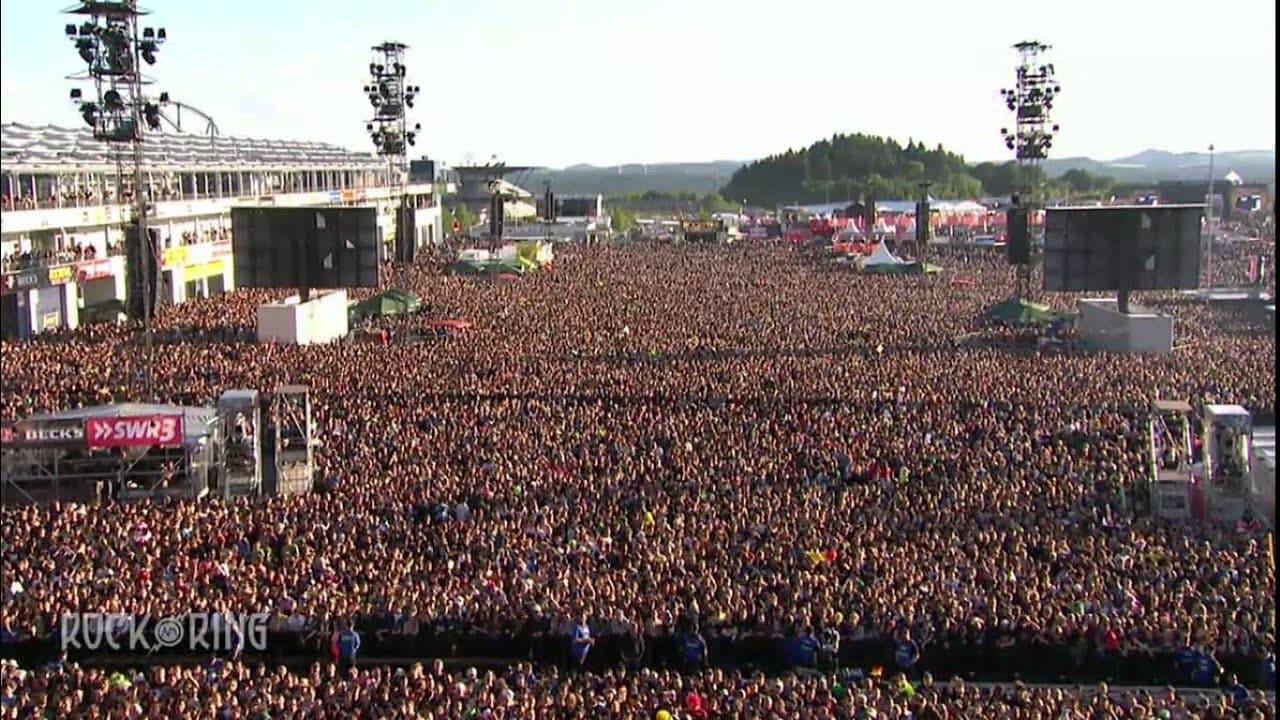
922, 221
406, 233
496, 210
140, 283
1018, 247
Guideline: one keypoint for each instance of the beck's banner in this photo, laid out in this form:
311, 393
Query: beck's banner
53, 432
137, 431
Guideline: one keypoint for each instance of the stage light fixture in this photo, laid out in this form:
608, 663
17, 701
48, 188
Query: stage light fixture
89, 112
1031, 101
151, 113
109, 39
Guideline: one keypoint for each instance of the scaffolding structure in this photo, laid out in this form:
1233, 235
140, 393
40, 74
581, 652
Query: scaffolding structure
240, 420
48, 458
392, 97
1173, 493
1031, 101
293, 439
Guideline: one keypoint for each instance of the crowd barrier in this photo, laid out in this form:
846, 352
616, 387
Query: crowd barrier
975, 661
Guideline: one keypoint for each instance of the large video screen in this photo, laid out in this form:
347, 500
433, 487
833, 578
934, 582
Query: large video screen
1154, 247
313, 248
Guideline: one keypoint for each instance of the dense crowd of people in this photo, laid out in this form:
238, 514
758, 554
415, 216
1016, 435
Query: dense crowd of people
228, 691
665, 443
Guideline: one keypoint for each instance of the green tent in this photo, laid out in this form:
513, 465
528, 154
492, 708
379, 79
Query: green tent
467, 267
1015, 311
906, 268
391, 302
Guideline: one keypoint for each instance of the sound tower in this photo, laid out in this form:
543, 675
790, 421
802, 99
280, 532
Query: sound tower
549, 206
922, 222
869, 214
1018, 247
496, 207
406, 233
137, 287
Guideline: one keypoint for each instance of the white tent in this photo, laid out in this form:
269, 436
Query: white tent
881, 256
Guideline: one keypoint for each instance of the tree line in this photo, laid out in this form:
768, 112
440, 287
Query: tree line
857, 167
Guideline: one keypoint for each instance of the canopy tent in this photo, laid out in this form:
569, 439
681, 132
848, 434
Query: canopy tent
391, 302
902, 268
1016, 311
881, 256
514, 265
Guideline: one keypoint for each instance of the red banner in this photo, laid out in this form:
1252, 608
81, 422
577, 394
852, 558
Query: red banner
93, 270
138, 431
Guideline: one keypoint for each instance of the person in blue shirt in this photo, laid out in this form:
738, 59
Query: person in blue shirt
906, 653
1205, 669
344, 646
581, 642
693, 650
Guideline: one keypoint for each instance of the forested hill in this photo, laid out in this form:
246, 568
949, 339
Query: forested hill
853, 167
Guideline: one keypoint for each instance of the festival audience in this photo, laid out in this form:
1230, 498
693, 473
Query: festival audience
735, 441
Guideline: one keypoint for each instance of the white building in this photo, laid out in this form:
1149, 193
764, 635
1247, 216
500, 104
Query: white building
66, 204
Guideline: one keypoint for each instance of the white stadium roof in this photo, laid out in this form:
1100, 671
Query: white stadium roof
52, 147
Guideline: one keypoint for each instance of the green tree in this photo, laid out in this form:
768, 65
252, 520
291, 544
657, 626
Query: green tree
623, 220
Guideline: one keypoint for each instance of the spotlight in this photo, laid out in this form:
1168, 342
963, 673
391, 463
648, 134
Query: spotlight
161, 35
89, 112
148, 33
151, 113
75, 93
112, 100
87, 51
71, 31
164, 98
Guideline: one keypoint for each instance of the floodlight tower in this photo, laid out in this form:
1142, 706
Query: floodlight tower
113, 45
1031, 101
392, 97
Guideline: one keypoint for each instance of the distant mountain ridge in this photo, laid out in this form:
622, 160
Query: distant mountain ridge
1254, 166
704, 177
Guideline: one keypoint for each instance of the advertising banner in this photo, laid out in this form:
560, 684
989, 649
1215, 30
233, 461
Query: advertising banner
26, 280
136, 431
61, 275
45, 433
93, 270
174, 257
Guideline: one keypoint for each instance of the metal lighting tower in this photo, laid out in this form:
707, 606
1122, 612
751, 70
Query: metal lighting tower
1031, 101
112, 44
1209, 227
391, 97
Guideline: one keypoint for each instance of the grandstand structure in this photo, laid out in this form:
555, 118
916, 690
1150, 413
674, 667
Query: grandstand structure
65, 204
